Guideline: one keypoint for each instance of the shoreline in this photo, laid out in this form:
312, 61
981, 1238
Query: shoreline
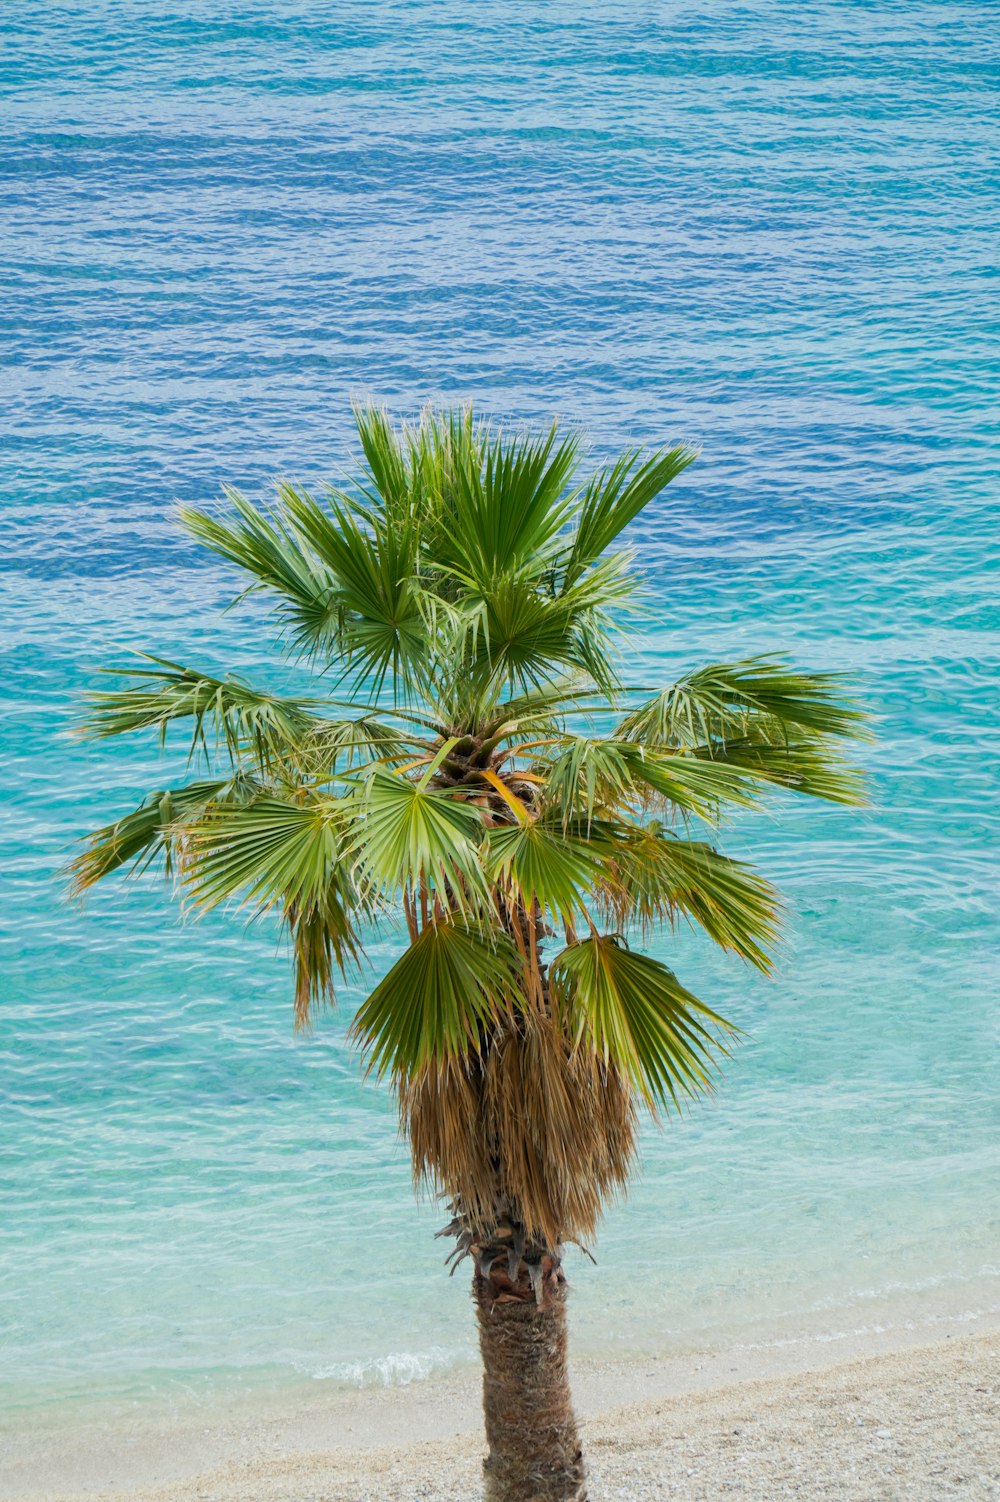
423, 1439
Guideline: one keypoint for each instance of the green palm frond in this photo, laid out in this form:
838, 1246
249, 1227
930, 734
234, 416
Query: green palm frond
764, 718
504, 509
803, 766
538, 709
391, 478
225, 713
654, 875
376, 618
542, 864
153, 829
408, 838
340, 745
729, 700
266, 853
271, 853
615, 497
439, 1002
228, 715
279, 563
440, 449
524, 635
686, 784
638, 1016
584, 776
324, 934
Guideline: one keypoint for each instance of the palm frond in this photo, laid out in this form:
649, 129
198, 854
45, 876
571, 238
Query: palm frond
635, 1013
582, 776
542, 1140
376, 619
539, 863
615, 497
270, 852
676, 781
411, 839
225, 713
340, 745
730, 700
153, 829
561, 1122
654, 875
524, 636
444, 994
386, 458
506, 503
539, 709
803, 766
260, 543
324, 934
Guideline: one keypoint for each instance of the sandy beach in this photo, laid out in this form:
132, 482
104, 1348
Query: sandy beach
879, 1416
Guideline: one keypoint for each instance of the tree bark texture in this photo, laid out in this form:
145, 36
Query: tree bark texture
534, 1446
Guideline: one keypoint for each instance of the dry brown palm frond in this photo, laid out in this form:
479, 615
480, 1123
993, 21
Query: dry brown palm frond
559, 1120
440, 1111
566, 1122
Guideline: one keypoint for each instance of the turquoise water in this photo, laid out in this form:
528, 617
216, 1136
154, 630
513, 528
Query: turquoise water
770, 229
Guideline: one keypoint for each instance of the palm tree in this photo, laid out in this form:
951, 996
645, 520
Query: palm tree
478, 775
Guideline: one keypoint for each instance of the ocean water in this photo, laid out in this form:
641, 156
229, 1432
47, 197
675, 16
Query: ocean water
770, 229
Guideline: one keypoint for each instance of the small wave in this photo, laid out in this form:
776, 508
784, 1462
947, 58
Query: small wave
395, 1370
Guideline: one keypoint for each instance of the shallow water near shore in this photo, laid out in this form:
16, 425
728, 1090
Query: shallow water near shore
766, 231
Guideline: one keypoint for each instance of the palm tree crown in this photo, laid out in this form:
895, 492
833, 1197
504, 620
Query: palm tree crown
483, 777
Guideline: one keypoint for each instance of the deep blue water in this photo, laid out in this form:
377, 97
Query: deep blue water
769, 228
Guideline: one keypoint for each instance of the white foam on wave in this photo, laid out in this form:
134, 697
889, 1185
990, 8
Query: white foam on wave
397, 1369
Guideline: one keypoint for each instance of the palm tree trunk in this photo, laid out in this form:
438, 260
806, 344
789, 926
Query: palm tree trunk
534, 1447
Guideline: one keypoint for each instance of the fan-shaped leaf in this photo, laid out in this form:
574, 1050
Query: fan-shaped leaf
153, 829
654, 875
615, 497
505, 507
583, 776
261, 544
543, 865
417, 839
440, 1000
688, 784
636, 1014
225, 713
375, 616
268, 852
728, 699
803, 766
